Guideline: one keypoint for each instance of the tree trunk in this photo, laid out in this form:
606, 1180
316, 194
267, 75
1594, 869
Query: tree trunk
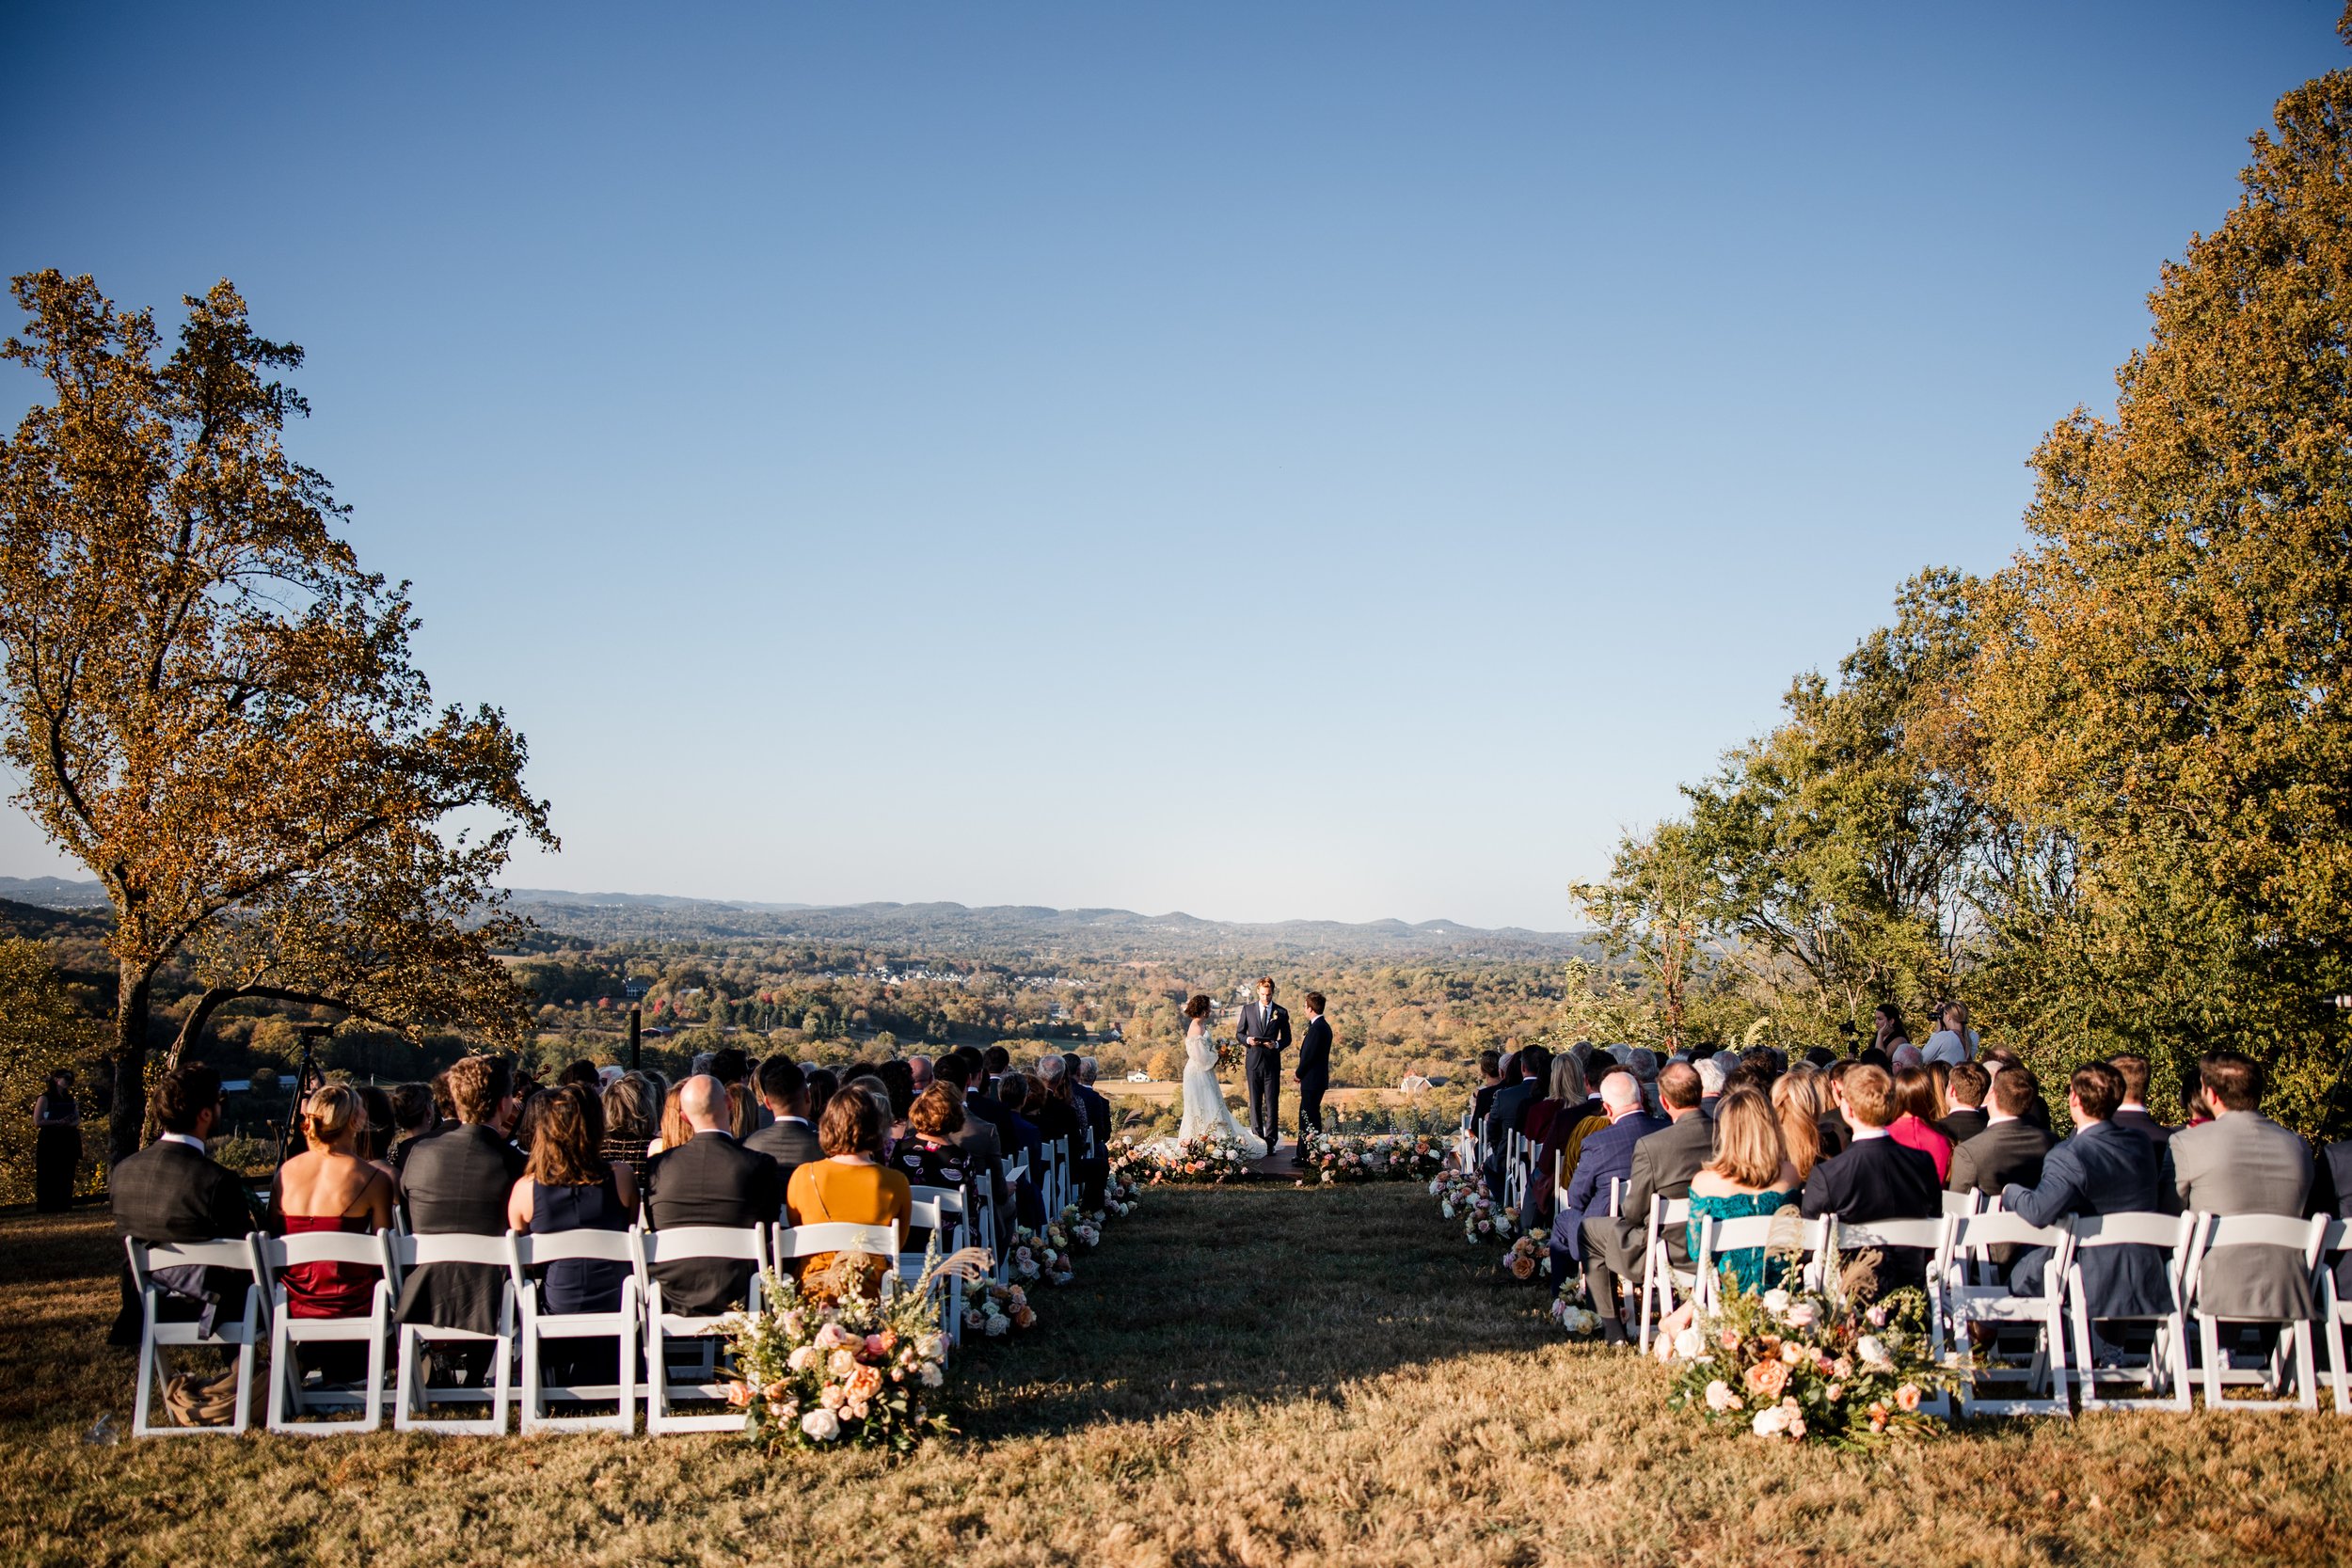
192, 1031
127, 1127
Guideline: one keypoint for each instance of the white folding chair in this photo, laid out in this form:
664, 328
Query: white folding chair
747, 1244
289, 1396
1775, 1232
1961, 1304
1960, 1205
941, 1212
2292, 1354
534, 1327
414, 1392
2165, 1376
2335, 1315
1660, 1278
156, 1332
984, 1215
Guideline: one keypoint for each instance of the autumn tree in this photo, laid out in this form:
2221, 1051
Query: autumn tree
1652, 909
214, 708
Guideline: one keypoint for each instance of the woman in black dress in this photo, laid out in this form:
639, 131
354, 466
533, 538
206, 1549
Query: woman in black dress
58, 1143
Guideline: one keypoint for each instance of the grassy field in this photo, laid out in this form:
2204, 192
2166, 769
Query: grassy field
1252, 1376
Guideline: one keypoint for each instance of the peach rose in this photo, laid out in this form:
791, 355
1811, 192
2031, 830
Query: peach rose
1907, 1398
1767, 1378
864, 1384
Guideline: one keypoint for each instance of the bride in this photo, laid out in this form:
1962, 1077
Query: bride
1206, 1114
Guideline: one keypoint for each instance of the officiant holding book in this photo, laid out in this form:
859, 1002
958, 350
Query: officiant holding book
1265, 1030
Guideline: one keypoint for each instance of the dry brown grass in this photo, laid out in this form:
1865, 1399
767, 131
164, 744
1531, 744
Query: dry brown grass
1248, 1375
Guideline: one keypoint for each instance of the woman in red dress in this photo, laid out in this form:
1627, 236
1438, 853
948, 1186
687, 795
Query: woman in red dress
331, 1185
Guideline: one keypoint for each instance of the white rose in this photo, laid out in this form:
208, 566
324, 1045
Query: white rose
997, 1323
1872, 1352
799, 1360
1802, 1315
1770, 1421
1691, 1343
823, 1425
1776, 1302
933, 1376
1720, 1397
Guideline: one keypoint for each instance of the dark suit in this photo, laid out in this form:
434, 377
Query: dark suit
1663, 1164
168, 1192
984, 1153
1094, 1167
2103, 1169
1963, 1123
2148, 1127
1315, 1076
1268, 1032
711, 1179
1835, 1135
1606, 1155
790, 1142
2332, 1194
1878, 1179
2004, 1153
456, 1183
1507, 1115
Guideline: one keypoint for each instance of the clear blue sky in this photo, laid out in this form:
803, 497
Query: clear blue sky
1266, 461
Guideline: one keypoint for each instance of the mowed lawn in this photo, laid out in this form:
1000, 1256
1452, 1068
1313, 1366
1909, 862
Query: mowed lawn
1254, 1376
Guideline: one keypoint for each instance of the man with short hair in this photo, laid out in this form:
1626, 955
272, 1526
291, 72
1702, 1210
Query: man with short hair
2243, 1163
996, 1060
1876, 1177
789, 1139
1092, 1163
1663, 1164
708, 1180
2133, 1112
1606, 1156
458, 1183
1713, 1075
174, 1191
2103, 1169
1490, 1084
1312, 1073
924, 1073
977, 1138
1836, 1130
2010, 1151
1265, 1034
1965, 1090
1525, 1083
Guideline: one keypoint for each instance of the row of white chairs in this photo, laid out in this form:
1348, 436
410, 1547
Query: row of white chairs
642, 1319
2062, 1363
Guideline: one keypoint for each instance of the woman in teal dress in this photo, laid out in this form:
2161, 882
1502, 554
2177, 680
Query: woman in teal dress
1751, 1174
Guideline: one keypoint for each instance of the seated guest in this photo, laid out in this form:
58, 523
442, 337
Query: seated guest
823, 1085
1053, 1110
330, 1187
2133, 1113
1835, 1132
2103, 1169
1606, 1156
2009, 1150
983, 1153
1553, 1123
930, 1156
1797, 1106
1748, 1173
2332, 1194
850, 1185
924, 1071
2243, 1163
1965, 1090
173, 1191
456, 1184
630, 1109
1996, 1059
674, 1130
1490, 1084
1876, 1177
1507, 1112
1022, 1138
416, 1117
1663, 1165
1094, 1171
1712, 1074
582, 1071
1917, 1110
570, 1185
708, 1179
897, 1082
534, 1105
378, 1127
730, 1066
742, 1111
790, 1138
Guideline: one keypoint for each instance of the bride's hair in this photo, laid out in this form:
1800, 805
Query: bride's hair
1196, 1007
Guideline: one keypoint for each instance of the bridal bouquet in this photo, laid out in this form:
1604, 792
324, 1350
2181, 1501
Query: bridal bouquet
1800, 1364
854, 1372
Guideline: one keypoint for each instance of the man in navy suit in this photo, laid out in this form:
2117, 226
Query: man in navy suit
1313, 1072
1265, 1028
1876, 1177
1606, 1155
2103, 1169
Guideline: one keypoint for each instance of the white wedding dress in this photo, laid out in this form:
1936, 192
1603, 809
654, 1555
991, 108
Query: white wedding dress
1206, 1114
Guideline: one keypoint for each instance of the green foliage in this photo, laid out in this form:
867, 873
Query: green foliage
40, 1031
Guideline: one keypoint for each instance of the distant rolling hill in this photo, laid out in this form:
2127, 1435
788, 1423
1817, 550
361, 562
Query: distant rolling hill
942, 928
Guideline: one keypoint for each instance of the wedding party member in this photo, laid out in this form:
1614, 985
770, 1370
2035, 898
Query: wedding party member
1798, 1104
850, 1185
1964, 1090
2243, 1163
2103, 1169
1265, 1030
570, 1185
1876, 1177
456, 1183
1312, 1073
56, 1143
1663, 1165
173, 1191
790, 1138
1607, 1155
709, 1178
1918, 1113
2133, 1113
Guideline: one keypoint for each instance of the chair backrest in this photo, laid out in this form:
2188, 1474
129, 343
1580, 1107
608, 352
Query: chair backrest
280, 1253
1957, 1205
923, 1214
564, 1246
803, 1241
411, 1252
2134, 1229
2306, 1237
739, 1243
1997, 1228
948, 1200
146, 1256
1923, 1235
1733, 1235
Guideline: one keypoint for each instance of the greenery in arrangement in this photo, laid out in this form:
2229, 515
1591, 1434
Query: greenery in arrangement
854, 1371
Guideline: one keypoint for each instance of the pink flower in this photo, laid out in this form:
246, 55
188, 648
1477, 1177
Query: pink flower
1907, 1398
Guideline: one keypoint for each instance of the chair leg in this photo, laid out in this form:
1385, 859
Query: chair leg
283, 1371
2209, 1340
143, 1404
244, 1420
375, 1374
2306, 1368
2054, 1328
2338, 1375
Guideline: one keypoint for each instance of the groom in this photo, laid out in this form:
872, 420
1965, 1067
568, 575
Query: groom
1265, 1028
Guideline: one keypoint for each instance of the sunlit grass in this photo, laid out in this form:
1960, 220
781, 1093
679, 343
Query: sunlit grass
1257, 1376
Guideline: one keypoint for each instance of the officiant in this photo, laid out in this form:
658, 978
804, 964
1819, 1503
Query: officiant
1265, 1029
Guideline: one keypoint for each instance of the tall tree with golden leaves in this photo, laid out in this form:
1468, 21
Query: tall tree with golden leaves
214, 708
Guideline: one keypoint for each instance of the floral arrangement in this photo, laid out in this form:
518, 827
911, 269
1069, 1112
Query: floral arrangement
1401, 1157
1121, 1194
1207, 1161
996, 1310
1836, 1368
856, 1371
1083, 1229
1527, 1257
1042, 1254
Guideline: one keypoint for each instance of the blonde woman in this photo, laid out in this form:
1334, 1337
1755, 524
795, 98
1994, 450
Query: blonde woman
330, 1186
1750, 1175
1800, 1100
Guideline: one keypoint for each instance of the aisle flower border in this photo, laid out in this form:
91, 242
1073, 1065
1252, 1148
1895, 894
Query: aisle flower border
1334, 1157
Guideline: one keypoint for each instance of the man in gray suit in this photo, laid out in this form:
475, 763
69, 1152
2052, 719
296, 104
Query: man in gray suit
1663, 1164
789, 1139
2243, 1163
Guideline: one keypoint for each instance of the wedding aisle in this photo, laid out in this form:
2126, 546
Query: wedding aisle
1251, 1374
